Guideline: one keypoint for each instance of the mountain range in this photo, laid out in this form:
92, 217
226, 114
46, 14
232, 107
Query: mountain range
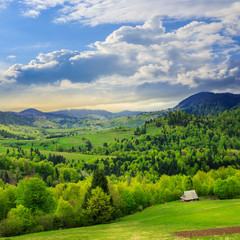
202, 103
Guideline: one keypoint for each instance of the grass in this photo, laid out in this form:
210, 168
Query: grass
97, 138
68, 156
157, 222
75, 156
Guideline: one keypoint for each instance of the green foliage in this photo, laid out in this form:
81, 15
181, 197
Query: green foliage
20, 220
188, 184
178, 152
99, 180
221, 188
65, 213
3, 204
183, 144
33, 193
99, 208
129, 205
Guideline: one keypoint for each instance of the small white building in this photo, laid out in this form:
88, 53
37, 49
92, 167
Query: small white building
189, 196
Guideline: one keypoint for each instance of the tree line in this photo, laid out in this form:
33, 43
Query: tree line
31, 206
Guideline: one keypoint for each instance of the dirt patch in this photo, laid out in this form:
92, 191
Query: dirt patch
208, 232
74, 142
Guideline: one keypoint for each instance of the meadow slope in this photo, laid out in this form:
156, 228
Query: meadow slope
157, 222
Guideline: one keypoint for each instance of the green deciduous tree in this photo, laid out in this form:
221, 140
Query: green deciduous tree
65, 213
34, 194
221, 188
3, 204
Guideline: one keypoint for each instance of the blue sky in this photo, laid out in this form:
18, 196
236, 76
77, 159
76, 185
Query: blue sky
116, 55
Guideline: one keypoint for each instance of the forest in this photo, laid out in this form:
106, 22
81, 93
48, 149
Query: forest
154, 164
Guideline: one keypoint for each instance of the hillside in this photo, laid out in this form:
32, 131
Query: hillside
95, 114
204, 103
141, 167
15, 119
158, 222
35, 118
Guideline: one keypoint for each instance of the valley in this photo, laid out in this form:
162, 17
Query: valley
130, 170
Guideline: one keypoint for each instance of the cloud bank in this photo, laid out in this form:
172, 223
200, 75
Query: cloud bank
94, 12
140, 63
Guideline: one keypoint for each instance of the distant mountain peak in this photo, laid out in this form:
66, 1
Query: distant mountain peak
30, 110
209, 103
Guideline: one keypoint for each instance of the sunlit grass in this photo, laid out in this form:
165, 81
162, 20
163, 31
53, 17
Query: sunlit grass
157, 222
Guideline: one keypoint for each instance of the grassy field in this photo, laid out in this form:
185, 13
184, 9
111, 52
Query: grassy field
78, 138
97, 138
69, 156
157, 222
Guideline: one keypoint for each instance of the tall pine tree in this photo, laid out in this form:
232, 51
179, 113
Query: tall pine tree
99, 180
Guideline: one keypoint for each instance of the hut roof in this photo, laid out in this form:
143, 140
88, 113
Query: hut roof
189, 195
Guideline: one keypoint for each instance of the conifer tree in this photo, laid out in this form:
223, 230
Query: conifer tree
99, 180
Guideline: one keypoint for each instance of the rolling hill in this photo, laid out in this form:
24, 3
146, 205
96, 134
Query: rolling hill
204, 103
15, 119
95, 114
157, 222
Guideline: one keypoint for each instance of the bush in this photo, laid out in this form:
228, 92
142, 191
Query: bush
221, 188
12, 227
48, 222
20, 220
65, 213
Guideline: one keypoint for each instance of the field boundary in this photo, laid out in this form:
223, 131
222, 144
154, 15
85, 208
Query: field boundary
208, 232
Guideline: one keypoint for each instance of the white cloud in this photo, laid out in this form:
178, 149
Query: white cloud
31, 13
4, 3
3, 68
131, 56
94, 12
135, 64
230, 17
11, 57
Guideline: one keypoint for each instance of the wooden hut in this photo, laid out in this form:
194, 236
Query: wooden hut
189, 196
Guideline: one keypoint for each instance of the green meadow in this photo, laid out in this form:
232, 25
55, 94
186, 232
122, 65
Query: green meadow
97, 138
155, 223
68, 156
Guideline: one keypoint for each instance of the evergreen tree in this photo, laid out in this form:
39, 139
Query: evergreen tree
99, 180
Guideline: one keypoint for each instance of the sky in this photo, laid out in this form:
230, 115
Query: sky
116, 55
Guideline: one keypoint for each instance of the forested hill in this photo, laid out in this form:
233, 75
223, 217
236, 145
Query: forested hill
153, 164
14, 119
204, 103
179, 143
95, 114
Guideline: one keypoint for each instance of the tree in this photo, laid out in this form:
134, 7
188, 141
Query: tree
233, 187
187, 184
99, 208
65, 212
3, 204
34, 194
221, 188
99, 180
89, 145
129, 205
